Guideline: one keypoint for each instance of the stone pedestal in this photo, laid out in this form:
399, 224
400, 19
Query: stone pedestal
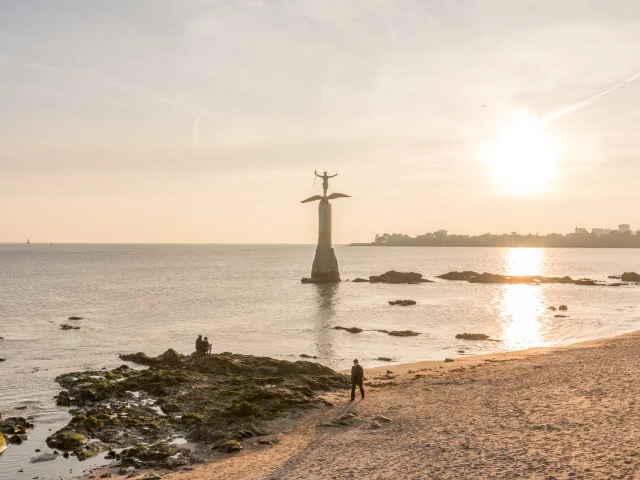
325, 264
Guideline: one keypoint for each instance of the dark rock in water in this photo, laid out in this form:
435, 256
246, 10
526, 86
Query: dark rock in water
617, 284
15, 426
162, 454
15, 439
560, 316
3, 359
230, 446
350, 330
403, 333
398, 277
63, 399
384, 359
76, 318
403, 303
360, 280
110, 455
552, 308
219, 398
304, 355
67, 440
383, 331
630, 277
615, 277
472, 336
585, 281
66, 326
449, 360
460, 276
563, 308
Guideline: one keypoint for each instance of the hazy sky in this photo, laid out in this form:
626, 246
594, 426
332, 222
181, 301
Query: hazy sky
202, 121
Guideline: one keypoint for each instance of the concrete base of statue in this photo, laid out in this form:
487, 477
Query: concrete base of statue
325, 267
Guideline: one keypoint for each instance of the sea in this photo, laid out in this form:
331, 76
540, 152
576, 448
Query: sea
249, 299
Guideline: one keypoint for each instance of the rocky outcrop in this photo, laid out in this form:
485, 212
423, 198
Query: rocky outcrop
630, 277
459, 276
472, 336
350, 330
360, 280
403, 303
211, 399
398, 277
384, 359
75, 318
66, 326
403, 333
563, 308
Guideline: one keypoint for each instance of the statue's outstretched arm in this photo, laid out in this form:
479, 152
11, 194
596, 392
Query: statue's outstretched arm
318, 175
333, 175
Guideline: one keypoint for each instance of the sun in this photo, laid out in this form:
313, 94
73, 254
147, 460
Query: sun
524, 157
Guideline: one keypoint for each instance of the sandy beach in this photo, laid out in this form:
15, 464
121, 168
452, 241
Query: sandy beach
567, 412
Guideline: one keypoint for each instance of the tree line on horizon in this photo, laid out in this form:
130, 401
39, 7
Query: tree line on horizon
441, 238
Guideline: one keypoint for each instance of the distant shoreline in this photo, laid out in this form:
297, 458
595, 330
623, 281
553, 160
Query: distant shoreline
373, 244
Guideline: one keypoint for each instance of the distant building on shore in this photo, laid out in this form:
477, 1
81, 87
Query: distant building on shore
624, 228
601, 231
580, 230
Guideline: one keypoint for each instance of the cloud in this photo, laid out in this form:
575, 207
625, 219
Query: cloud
196, 131
585, 103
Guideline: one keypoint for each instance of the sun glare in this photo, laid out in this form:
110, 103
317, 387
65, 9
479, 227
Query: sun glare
524, 158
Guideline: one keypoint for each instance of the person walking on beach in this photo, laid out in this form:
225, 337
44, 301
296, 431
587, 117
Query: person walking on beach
357, 377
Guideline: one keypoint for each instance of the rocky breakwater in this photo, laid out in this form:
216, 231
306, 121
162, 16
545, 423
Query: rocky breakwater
475, 277
216, 400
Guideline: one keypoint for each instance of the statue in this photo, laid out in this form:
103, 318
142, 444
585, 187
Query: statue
325, 264
325, 180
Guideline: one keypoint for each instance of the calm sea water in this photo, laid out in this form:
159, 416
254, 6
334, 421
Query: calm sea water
249, 299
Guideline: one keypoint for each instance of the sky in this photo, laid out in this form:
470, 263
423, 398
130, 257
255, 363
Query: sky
203, 121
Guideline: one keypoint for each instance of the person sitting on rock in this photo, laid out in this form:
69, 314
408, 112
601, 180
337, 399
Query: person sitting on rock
199, 344
206, 346
357, 377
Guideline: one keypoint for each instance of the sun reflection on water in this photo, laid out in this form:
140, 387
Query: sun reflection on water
521, 308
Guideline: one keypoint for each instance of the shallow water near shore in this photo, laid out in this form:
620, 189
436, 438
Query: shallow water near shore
249, 299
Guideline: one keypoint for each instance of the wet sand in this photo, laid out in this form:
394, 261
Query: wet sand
567, 412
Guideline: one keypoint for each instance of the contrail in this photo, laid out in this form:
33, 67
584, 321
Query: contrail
195, 130
580, 105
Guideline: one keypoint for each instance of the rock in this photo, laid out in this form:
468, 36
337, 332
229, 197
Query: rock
617, 284
449, 360
398, 277
63, 399
45, 457
3, 359
382, 419
67, 440
403, 303
15, 439
374, 425
630, 277
403, 333
472, 336
384, 359
563, 308
76, 318
3, 443
560, 316
304, 355
615, 277
460, 276
552, 308
350, 330
460, 351
66, 326
110, 455
106, 475
360, 280
15, 426
230, 446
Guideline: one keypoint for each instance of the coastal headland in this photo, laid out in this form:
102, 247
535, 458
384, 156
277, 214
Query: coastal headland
556, 412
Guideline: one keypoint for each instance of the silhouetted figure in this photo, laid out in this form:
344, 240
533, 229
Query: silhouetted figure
325, 181
206, 345
199, 343
357, 377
